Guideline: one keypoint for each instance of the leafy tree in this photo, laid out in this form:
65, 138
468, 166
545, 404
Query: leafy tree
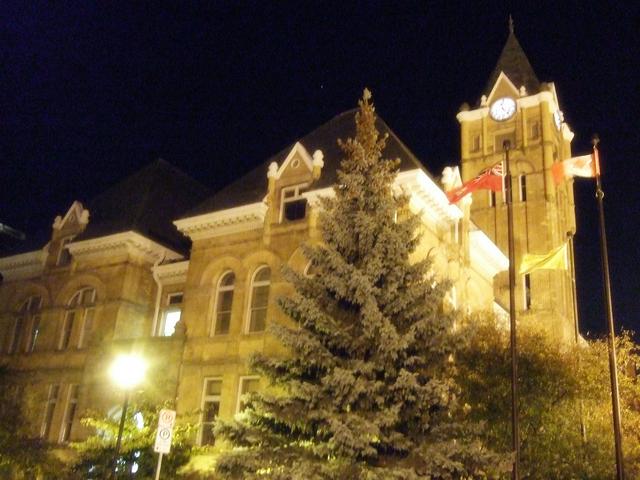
137, 458
22, 455
367, 390
560, 386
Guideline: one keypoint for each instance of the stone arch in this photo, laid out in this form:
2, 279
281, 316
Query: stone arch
213, 270
78, 282
26, 290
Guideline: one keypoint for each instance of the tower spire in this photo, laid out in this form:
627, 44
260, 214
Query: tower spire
511, 24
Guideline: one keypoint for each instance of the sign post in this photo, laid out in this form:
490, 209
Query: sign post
166, 420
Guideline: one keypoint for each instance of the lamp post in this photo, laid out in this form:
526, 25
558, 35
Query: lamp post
127, 371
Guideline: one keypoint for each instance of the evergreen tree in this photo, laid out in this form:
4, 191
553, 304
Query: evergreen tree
367, 390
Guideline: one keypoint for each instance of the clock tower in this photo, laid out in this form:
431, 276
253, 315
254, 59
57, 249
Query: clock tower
517, 107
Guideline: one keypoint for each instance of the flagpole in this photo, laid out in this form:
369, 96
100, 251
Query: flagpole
515, 435
576, 326
613, 371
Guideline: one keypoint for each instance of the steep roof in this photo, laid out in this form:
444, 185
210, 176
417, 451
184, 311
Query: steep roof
252, 187
515, 65
146, 202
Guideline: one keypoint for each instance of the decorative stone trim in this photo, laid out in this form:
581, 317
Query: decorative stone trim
224, 222
172, 273
486, 258
128, 242
24, 265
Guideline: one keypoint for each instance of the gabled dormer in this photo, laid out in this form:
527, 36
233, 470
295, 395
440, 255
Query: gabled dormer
65, 229
289, 182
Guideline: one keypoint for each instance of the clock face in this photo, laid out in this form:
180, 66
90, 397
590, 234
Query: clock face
503, 109
557, 118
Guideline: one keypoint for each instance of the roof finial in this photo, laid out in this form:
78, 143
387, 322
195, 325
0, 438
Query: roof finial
510, 24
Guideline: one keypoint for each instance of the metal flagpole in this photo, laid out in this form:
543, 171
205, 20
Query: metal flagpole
576, 326
515, 433
613, 372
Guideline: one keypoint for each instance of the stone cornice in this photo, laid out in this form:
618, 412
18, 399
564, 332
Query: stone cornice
24, 265
130, 243
224, 222
172, 273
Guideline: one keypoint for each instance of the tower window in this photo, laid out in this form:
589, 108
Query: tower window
527, 291
294, 205
492, 198
210, 409
500, 139
534, 129
522, 182
476, 143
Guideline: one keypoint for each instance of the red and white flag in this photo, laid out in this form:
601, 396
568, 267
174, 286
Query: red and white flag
584, 166
488, 179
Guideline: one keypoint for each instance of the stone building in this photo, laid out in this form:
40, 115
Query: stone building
157, 266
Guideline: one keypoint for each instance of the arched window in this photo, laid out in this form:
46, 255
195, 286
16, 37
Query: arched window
28, 318
224, 302
80, 311
259, 299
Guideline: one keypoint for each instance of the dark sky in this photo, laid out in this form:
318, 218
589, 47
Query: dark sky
92, 91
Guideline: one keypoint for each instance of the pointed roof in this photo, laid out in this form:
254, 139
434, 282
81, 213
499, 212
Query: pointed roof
515, 65
252, 187
146, 202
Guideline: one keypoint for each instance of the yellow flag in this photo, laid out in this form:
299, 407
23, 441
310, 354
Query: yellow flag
556, 259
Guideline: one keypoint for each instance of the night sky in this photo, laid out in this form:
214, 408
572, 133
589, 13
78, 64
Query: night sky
91, 92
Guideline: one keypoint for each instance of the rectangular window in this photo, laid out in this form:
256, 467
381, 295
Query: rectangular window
67, 328
171, 315
522, 181
210, 409
70, 413
64, 256
49, 410
247, 385
492, 198
476, 143
259, 303
534, 130
223, 318
527, 291
16, 335
294, 205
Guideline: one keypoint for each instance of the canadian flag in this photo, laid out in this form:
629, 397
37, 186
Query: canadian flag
584, 166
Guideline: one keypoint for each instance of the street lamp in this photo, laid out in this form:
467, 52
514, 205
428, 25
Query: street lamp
127, 371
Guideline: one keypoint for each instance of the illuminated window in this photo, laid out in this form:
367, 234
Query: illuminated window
80, 310
70, 413
527, 291
64, 256
28, 317
49, 409
259, 299
210, 409
171, 314
294, 205
522, 182
247, 385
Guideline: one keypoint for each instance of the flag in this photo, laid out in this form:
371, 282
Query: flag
488, 179
556, 259
583, 166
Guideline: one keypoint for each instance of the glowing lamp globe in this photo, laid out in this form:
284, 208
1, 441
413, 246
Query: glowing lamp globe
127, 371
